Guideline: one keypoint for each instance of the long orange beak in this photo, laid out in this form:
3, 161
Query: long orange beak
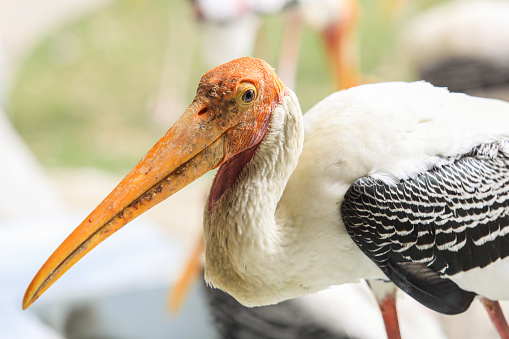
192, 147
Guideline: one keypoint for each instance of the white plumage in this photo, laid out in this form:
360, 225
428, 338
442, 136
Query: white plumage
491, 281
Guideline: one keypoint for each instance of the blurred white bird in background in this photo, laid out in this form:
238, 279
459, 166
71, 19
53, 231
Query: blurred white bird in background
462, 45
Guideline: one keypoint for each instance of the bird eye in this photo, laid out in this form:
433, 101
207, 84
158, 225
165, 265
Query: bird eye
248, 96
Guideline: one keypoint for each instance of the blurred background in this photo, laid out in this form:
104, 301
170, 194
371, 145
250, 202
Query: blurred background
88, 86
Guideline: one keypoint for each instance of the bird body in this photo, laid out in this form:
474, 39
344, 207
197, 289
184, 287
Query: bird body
282, 213
374, 182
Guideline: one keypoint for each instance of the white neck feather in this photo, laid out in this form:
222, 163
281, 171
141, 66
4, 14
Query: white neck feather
241, 234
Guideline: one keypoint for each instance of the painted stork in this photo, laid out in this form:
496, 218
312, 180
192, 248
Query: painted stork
399, 181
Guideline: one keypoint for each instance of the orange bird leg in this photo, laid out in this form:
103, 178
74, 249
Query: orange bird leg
497, 317
341, 49
187, 279
390, 315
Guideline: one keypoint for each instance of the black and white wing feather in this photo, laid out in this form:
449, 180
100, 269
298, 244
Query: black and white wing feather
450, 219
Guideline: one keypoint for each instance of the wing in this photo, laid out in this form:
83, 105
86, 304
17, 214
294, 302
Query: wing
449, 219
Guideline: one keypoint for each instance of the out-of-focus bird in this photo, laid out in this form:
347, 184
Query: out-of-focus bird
399, 181
289, 319
344, 311
462, 45
230, 30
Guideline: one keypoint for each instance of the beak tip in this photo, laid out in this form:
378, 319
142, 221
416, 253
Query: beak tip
26, 304
28, 299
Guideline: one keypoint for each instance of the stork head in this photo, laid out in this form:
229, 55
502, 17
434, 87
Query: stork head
228, 116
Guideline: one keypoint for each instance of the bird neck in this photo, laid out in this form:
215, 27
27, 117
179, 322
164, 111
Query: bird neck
240, 227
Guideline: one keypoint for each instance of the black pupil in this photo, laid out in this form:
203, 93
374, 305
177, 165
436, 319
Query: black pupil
248, 95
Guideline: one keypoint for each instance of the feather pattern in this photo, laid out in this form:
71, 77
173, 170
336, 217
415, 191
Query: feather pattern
451, 218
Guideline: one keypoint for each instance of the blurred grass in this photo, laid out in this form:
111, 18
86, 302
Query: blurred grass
86, 94
87, 87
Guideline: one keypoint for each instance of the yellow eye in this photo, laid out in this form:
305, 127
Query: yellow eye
246, 93
248, 96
